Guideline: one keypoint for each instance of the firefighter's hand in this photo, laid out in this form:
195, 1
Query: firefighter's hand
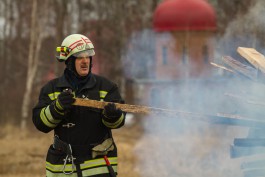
111, 111
61, 105
64, 101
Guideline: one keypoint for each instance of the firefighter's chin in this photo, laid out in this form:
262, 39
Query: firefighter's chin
83, 71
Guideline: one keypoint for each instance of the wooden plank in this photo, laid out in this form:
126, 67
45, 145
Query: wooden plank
253, 164
255, 173
237, 151
245, 99
222, 67
125, 107
225, 119
249, 142
253, 57
241, 68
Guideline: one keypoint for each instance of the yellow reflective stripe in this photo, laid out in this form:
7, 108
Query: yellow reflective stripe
97, 171
44, 119
58, 105
58, 111
51, 174
114, 124
102, 94
49, 116
98, 162
59, 168
89, 168
53, 96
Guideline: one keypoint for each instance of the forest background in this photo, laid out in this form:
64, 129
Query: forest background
30, 30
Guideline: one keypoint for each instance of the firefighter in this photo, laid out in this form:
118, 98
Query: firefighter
83, 144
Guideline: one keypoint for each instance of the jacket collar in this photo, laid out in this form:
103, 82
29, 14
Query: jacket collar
63, 83
91, 83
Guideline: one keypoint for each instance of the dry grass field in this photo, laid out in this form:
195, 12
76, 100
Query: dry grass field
141, 153
23, 154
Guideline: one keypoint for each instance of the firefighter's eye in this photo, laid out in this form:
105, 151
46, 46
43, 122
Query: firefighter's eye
80, 58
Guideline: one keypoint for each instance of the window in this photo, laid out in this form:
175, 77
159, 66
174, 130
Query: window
205, 54
164, 55
184, 55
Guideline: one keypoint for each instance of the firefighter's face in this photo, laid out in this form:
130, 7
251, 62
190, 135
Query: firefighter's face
82, 64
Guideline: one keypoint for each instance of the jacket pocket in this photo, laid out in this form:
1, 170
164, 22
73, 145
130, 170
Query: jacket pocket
55, 156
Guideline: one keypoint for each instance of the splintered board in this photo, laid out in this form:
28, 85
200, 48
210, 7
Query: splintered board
253, 57
241, 68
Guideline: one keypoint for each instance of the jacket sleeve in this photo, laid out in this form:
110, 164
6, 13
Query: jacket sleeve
113, 95
42, 117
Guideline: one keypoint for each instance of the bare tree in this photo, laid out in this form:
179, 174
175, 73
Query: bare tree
228, 10
36, 37
6, 66
110, 24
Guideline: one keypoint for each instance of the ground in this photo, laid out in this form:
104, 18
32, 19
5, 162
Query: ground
143, 152
22, 154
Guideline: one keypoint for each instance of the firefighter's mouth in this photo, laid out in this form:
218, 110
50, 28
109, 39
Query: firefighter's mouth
84, 67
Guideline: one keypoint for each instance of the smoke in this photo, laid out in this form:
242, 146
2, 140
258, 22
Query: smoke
139, 55
247, 31
172, 146
175, 146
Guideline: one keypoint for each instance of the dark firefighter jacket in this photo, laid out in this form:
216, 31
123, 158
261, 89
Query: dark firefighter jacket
83, 128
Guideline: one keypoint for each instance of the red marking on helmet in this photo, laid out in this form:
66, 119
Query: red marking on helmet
70, 46
79, 44
86, 40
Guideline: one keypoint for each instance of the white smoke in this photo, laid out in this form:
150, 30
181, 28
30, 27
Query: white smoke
174, 146
246, 30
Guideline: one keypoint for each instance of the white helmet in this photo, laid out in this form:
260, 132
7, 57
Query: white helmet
73, 45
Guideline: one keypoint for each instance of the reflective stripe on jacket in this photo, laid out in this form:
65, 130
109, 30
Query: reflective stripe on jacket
81, 125
89, 168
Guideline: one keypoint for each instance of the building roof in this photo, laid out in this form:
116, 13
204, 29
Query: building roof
182, 15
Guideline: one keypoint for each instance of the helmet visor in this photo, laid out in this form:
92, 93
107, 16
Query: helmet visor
90, 52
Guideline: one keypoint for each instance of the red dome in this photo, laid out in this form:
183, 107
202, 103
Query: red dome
177, 15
